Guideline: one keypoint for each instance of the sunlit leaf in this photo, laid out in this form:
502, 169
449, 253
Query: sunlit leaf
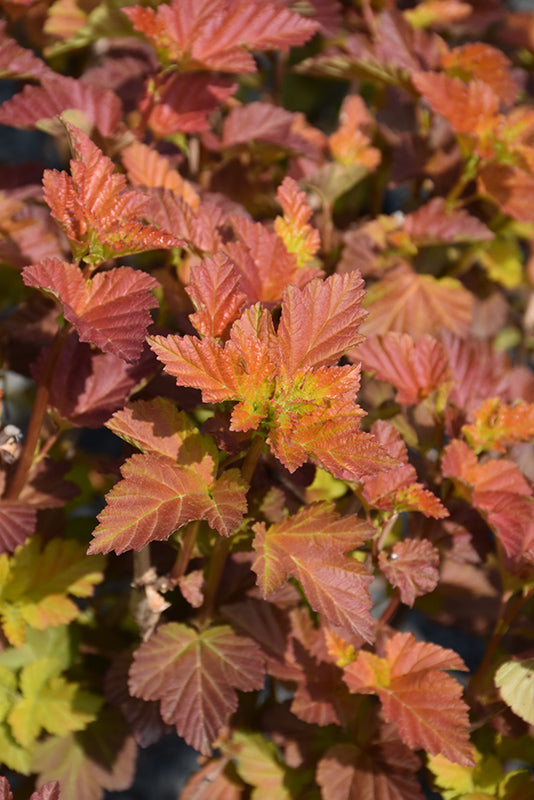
515, 681
412, 566
110, 310
482, 61
293, 228
216, 35
424, 702
312, 547
498, 425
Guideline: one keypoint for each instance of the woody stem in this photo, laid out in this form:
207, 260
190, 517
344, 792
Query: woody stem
35, 425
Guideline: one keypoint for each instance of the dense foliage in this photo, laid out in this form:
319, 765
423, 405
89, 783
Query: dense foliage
273, 323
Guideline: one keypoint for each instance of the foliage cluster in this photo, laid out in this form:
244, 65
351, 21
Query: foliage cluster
277, 317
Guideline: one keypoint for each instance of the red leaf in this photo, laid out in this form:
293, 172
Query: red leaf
512, 189
17, 522
214, 290
396, 489
414, 368
215, 34
498, 489
211, 782
98, 214
482, 61
195, 676
186, 100
110, 310
266, 267
417, 695
143, 718
264, 122
435, 222
34, 105
17, 62
87, 386
385, 771
157, 496
199, 228
319, 323
417, 304
146, 167
412, 566
311, 546
469, 107
50, 791
156, 426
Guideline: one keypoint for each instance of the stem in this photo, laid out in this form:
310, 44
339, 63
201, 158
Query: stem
251, 458
222, 546
40, 406
186, 550
390, 609
504, 619
214, 573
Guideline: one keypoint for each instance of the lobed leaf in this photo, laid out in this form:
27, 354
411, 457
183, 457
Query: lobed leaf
488, 64
195, 676
17, 522
412, 566
417, 695
470, 108
110, 310
417, 304
99, 215
514, 681
311, 546
214, 289
216, 34
498, 425
146, 167
319, 322
157, 496
293, 228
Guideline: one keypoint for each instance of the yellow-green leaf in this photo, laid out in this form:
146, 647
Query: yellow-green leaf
515, 680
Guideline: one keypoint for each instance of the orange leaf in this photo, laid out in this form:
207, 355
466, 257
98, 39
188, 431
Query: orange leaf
146, 167
311, 546
482, 61
298, 236
412, 566
498, 425
470, 108
407, 302
111, 310
416, 694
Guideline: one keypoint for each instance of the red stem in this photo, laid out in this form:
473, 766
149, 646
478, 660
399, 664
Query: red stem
40, 406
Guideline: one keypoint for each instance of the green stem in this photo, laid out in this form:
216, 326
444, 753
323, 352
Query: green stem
40, 406
251, 458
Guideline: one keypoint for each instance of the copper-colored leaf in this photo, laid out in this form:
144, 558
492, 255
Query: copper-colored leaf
312, 546
497, 425
415, 368
98, 214
293, 228
157, 496
195, 677
319, 322
146, 167
424, 702
350, 144
511, 188
482, 61
199, 228
17, 61
211, 782
214, 290
469, 107
110, 310
435, 222
216, 34
35, 105
385, 771
412, 566
17, 523
156, 426
185, 102
49, 791
417, 304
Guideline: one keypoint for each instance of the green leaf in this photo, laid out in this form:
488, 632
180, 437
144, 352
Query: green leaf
35, 585
515, 681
